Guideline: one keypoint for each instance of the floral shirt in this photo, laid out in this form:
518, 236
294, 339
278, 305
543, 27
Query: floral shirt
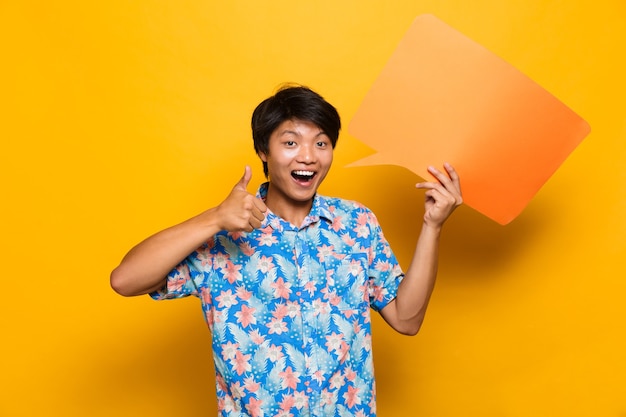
289, 310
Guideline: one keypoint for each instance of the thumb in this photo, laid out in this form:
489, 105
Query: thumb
243, 182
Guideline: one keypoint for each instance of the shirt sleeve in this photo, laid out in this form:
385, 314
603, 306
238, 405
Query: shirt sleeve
385, 273
180, 282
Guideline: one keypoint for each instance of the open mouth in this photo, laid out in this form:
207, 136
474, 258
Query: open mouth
303, 176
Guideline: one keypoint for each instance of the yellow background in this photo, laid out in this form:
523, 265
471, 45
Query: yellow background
119, 118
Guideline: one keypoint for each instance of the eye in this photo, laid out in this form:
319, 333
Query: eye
290, 143
322, 144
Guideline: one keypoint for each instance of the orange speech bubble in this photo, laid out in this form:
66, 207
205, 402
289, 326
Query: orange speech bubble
442, 97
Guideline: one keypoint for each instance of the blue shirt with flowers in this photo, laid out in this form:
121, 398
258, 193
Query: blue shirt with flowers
289, 310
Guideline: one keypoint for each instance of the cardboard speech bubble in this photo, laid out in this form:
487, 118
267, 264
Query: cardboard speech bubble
442, 97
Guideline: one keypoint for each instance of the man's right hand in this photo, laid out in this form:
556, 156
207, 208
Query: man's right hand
241, 211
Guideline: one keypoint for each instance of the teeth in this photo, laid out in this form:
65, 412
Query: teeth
304, 173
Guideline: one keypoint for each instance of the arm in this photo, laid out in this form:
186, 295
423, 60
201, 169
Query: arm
406, 312
145, 267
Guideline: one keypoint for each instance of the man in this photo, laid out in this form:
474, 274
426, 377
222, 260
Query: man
287, 278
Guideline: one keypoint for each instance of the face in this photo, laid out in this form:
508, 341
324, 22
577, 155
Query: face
299, 157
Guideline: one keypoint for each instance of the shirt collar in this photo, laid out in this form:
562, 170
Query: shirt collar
319, 209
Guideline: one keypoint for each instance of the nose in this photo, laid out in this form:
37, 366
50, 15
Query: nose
306, 154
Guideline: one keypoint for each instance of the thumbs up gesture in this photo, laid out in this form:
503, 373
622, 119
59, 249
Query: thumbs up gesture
241, 211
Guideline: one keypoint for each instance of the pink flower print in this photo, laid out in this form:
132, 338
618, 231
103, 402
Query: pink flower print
231, 272
226, 299
301, 400
257, 337
205, 258
267, 239
372, 403
355, 268
220, 260
247, 249
276, 326
309, 287
266, 264
246, 316
361, 228
293, 309
367, 343
382, 265
343, 352
327, 397
226, 404
221, 384
352, 397
280, 311
387, 251
177, 284
241, 363
320, 307
370, 254
282, 289
334, 299
243, 294
217, 316
290, 378
254, 407
337, 224
377, 292
325, 251
205, 295
350, 374
251, 385
333, 342
275, 353
366, 316
236, 390
363, 291
229, 350
287, 403
318, 376
347, 239
337, 381
210, 320
330, 278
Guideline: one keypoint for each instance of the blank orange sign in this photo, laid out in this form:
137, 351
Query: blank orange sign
444, 98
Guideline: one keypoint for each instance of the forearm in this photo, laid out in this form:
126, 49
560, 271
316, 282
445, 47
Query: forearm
419, 281
146, 265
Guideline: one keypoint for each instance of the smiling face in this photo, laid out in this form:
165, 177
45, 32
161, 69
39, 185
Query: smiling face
299, 157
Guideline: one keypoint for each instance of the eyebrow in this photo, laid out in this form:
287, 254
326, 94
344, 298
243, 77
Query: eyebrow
292, 132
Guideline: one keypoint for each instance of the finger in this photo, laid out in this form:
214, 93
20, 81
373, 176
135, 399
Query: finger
440, 176
257, 214
454, 176
260, 205
245, 179
254, 224
450, 182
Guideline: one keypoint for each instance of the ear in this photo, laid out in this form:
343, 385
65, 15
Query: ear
263, 156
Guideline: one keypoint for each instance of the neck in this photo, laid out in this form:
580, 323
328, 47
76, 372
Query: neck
289, 210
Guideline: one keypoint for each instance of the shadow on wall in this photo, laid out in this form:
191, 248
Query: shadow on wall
151, 370
469, 239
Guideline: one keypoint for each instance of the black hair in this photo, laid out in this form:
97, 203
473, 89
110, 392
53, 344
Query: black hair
292, 103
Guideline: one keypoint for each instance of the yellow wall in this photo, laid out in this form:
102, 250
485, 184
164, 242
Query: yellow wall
119, 118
